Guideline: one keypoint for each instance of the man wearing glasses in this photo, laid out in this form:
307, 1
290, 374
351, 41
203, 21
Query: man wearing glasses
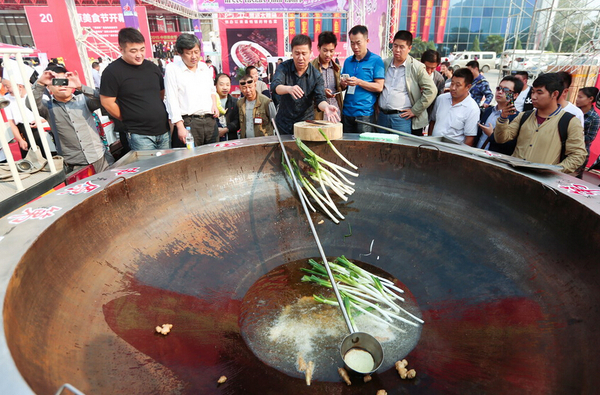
508, 90
256, 110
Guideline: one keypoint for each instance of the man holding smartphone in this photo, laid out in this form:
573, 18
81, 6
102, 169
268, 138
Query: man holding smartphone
329, 70
362, 77
71, 119
506, 92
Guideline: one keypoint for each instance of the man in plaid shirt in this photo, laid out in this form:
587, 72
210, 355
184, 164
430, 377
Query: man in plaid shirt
480, 86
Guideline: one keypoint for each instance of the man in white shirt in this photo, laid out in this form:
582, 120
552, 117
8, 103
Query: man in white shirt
523, 101
191, 95
455, 114
562, 100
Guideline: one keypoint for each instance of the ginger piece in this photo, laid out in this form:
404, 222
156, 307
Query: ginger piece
401, 368
411, 374
309, 372
165, 329
301, 364
381, 392
367, 378
344, 374
222, 379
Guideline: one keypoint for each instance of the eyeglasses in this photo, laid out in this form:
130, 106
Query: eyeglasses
243, 83
501, 89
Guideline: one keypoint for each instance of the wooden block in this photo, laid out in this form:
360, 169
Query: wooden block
307, 131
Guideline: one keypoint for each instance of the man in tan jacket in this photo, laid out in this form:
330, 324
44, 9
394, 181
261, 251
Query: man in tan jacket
256, 110
329, 70
407, 89
538, 133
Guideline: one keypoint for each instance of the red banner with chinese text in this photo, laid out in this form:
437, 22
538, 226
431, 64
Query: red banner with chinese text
291, 26
105, 21
304, 23
441, 17
413, 16
426, 20
337, 25
318, 25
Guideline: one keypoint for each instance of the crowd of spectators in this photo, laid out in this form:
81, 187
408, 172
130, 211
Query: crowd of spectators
366, 93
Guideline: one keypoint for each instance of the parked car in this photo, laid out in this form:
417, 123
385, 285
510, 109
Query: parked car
486, 60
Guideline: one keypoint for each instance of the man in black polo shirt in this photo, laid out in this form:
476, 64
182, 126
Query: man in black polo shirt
300, 87
132, 90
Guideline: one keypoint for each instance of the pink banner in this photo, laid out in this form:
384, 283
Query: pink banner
376, 22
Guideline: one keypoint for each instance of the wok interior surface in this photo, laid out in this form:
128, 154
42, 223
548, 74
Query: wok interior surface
503, 269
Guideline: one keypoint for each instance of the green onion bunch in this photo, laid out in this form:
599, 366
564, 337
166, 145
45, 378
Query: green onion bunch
362, 292
326, 175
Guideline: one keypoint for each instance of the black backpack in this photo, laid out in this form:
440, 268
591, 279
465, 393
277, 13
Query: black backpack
563, 129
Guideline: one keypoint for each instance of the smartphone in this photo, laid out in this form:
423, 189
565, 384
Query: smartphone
345, 76
60, 81
510, 97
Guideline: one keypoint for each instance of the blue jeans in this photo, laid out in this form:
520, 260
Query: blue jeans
351, 126
141, 142
394, 121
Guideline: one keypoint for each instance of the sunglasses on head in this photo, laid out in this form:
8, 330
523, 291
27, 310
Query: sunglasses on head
244, 83
501, 89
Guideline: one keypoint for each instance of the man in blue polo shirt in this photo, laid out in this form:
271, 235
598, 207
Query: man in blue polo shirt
366, 73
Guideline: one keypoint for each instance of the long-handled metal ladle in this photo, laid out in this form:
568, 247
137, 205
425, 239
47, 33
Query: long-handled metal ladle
356, 342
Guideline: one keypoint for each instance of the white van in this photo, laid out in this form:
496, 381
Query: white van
487, 60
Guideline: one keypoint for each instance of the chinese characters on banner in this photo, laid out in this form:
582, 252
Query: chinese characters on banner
105, 21
304, 23
337, 25
318, 25
249, 38
426, 20
441, 16
291, 25
413, 16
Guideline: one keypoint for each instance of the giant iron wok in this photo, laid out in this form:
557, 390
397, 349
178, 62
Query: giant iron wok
503, 265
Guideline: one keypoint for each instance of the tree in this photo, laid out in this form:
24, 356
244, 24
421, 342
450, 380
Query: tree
518, 45
494, 43
476, 44
419, 46
550, 46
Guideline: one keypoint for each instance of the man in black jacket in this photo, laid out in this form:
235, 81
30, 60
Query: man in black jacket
229, 121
